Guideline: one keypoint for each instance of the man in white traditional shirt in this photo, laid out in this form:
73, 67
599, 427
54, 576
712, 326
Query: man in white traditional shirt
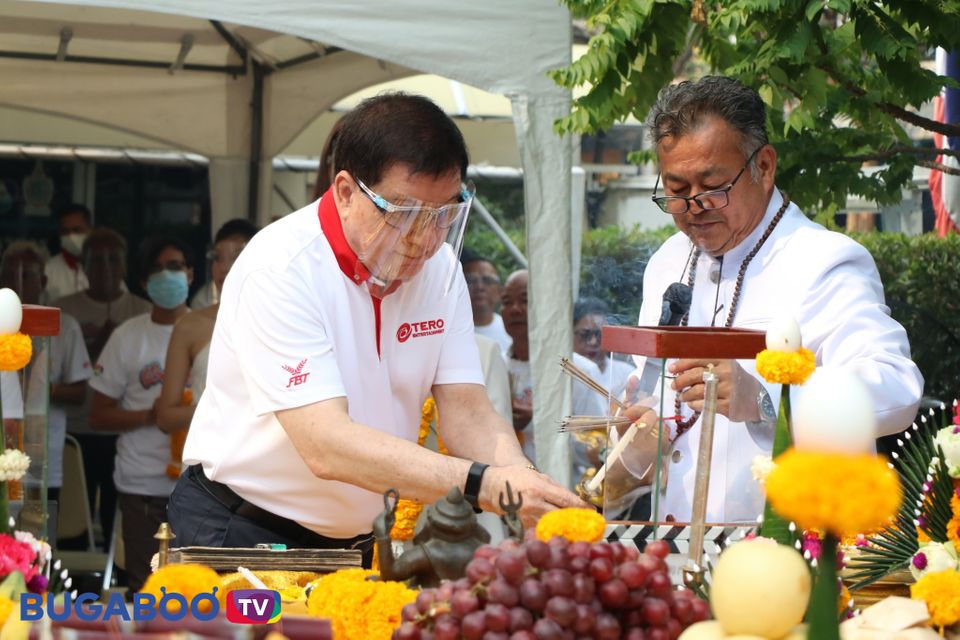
750, 256
65, 271
483, 283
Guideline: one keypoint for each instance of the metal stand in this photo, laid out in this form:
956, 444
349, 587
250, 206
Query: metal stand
693, 574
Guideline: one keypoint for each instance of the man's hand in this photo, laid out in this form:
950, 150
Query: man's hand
737, 390
540, 493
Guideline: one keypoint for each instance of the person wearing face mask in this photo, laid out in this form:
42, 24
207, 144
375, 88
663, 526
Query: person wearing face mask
189, 350
335, 324
64, 271
99, 309
126, 383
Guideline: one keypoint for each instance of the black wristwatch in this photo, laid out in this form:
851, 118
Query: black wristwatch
471, 490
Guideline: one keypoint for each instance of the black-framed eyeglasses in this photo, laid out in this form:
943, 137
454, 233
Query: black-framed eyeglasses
169, 265
488, 281
714, 199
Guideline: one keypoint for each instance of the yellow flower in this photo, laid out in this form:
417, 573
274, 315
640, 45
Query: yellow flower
407, 513
6, 608
15, 351
844, 600
359, 609
941, 592
785, 367
188, 580
953, 527
575, 525
840, 493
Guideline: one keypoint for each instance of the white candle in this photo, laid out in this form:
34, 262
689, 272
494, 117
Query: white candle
11, 312
594, 482
834, 412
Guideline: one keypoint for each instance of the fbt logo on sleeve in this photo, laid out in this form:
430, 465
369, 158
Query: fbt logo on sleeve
419, 329
253, 606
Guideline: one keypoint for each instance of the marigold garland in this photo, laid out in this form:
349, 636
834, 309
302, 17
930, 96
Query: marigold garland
428, 415
16, 349
359, 609
840, 493
188, 580
786, 367
408, 511
576, 525
941, 592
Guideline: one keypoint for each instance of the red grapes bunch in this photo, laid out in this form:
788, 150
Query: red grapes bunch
556, 591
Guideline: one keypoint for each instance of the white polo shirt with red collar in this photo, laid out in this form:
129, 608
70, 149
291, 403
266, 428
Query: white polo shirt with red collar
298, 325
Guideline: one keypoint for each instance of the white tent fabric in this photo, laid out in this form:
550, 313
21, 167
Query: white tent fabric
304, 56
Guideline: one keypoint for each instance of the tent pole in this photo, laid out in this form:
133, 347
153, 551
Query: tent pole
256, 140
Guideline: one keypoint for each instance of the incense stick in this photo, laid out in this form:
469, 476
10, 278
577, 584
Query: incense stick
587, 423
577, 374
627, 438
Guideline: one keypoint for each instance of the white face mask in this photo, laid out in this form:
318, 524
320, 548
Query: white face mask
72, 243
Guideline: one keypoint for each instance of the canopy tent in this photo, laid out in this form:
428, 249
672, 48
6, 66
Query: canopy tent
236, 81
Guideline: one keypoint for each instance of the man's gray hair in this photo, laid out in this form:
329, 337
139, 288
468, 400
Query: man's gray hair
681, 108
26, 246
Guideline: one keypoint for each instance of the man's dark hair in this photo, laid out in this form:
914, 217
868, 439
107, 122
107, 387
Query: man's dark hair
236, 228
681, 108
74, 207
588, 306
469, 257
399, 128
153, 247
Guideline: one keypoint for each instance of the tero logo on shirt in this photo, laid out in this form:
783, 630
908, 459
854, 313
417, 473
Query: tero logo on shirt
253, 606
419, 329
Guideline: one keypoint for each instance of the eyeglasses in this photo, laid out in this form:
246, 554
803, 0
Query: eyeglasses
588, 335
488, 281
169, 265
714, 199
224, 257
399, 215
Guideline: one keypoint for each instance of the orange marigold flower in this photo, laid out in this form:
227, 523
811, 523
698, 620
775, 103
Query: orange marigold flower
189, 580
786, 367
575, 525
358, 608
836, 492
16, 349
941, 592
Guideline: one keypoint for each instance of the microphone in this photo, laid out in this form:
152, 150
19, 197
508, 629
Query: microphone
676, 303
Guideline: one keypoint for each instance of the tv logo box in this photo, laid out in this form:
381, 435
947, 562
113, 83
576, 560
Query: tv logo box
253, 606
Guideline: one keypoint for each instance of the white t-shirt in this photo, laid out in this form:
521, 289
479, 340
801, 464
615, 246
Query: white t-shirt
496, 331
293, 329
130, 370
62, 280
92, 315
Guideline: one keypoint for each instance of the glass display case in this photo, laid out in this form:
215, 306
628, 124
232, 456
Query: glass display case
658, 469
26, 400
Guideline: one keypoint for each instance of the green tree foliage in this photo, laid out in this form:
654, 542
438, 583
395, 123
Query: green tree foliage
840, 78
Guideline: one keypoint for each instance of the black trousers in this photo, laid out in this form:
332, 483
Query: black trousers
208, 514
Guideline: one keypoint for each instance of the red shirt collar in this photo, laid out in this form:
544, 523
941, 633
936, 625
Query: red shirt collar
332, 228
70, 260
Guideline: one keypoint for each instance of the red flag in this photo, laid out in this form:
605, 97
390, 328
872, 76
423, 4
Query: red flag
944, 187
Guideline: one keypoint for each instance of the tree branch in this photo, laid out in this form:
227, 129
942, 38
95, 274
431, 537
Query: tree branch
943, 128
886, 155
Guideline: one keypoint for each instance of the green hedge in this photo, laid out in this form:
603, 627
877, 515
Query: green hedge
921, 277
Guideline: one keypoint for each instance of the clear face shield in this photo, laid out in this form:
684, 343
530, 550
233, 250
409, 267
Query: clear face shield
408, 232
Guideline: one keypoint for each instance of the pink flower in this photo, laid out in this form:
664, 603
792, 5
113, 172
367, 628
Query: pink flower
920, 561
17, 556
811, 542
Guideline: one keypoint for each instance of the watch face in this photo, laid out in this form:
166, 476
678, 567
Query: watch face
765, 405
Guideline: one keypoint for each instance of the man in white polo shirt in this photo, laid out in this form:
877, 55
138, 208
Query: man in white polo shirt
335, 324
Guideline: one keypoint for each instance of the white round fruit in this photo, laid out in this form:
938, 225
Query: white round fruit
783, 334
760, 588
11, 312
834, 413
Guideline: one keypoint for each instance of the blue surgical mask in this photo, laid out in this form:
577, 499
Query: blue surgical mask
168, 289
